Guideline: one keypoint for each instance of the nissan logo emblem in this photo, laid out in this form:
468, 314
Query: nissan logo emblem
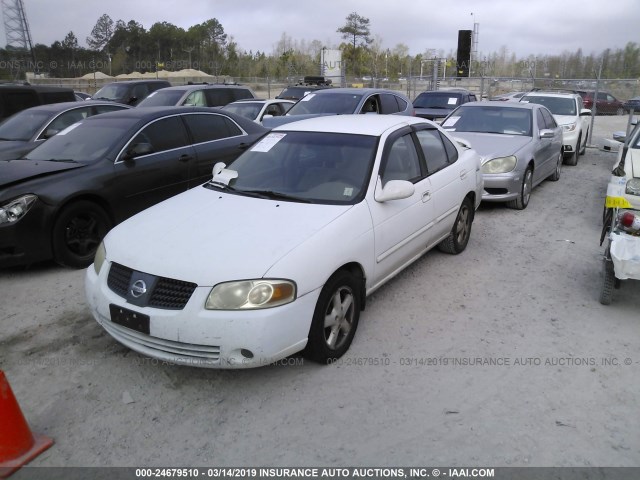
138, 288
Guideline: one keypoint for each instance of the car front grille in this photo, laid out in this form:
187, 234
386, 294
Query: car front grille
168, 293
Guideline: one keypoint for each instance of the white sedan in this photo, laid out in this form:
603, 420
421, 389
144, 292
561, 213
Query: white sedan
277, 253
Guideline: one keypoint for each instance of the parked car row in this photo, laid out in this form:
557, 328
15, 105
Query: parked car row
219, 242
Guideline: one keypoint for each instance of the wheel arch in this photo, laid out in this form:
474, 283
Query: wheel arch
355, 269
79, 198
85, 197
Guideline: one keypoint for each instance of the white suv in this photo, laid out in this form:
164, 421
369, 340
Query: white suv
568, 110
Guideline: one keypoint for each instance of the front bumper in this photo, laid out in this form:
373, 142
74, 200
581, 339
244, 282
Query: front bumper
570, 141
502, 187
29, 239
197, 337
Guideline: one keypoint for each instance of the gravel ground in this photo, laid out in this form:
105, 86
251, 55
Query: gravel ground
501, 356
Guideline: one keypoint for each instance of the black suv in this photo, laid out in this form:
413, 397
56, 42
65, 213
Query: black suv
198, 95
14, 98
437, 104
131, 92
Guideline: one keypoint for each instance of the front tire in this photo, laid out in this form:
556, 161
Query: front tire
583, 148
335, 318
457, 240
77, 232
524, 196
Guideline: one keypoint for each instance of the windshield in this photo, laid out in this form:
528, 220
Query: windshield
556, 105
437, 100
162, 98
23, 125
111, 92
505, 120
85, 141
317, 167
247, 110
314, 103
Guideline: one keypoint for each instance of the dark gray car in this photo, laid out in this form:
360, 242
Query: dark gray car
25, 130
199, 95
344, 101
437, 104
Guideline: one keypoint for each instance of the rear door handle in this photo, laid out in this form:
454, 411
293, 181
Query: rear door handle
463, 174
185, 158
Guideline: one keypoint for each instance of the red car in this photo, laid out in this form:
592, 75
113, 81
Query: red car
607, 104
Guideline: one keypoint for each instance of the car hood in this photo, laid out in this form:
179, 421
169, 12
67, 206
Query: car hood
207, 237
431, 113
565, 119
15, 171
492, 145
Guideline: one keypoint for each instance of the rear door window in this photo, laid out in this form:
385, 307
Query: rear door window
206, 127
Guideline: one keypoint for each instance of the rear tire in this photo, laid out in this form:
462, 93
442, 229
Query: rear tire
77, 232
457, 240
335, 318
524, 196
555, 176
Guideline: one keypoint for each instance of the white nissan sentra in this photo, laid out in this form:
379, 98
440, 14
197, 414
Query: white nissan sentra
277, 253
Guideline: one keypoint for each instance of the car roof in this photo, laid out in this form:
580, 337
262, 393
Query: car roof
352, 90
37, 88
62, 106
128, 82
149, 113
550, 93
352, 124
262, 100
497, 103
201, 86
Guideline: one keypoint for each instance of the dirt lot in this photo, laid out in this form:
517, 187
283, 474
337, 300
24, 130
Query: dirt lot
501, 356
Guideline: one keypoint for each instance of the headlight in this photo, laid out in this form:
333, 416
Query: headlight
16, 209
101, 255
251, 294
633, 186
570, 127
500, 165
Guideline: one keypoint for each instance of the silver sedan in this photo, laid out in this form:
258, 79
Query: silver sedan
520, 145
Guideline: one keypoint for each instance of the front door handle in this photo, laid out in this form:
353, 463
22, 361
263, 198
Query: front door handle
426, 196
185, 158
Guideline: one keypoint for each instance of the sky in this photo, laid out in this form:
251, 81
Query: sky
523, 27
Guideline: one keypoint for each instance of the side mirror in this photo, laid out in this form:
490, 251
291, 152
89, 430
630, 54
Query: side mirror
585, 112
132, 100
138, 150
546, 133
50, 133
394, 190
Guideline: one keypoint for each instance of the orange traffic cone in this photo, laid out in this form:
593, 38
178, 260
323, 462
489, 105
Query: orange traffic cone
17, 444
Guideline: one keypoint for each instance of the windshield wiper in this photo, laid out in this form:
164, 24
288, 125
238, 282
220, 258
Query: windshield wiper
66, 160
271, 194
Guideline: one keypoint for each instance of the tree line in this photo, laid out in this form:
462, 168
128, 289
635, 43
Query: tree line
116, 47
